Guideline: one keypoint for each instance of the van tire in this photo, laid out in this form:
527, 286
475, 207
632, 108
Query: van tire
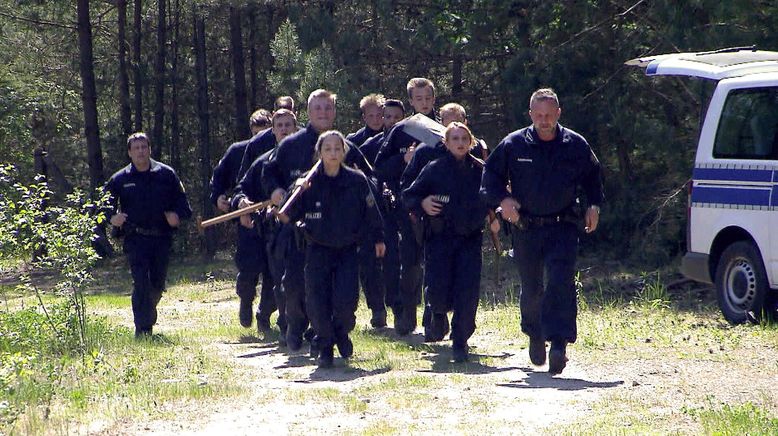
741, 283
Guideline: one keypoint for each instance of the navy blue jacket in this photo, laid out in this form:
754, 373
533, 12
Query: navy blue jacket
390, 162
146, 196
294, 156
425, 154
225, 175
544, 176
338, 211
261, 143
250, 186
360, 136
371, 147
455, 184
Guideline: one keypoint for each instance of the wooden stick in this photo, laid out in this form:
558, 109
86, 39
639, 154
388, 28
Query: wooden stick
299, 189
235, 214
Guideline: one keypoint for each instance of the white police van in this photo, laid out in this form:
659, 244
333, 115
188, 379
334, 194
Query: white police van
733, 200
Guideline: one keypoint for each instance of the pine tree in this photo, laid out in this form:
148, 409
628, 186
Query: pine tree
288, 61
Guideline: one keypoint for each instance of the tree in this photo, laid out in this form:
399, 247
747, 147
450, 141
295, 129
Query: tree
287, 60
159, 85
136, 52
89, 96
239, 75
124, 79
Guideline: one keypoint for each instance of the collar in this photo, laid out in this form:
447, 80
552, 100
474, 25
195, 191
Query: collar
153, 167
562, 136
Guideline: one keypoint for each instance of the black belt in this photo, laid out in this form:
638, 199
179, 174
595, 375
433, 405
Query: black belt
148, 232
540, 221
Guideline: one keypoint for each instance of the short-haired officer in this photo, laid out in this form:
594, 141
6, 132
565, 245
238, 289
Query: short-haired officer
395, 153
249, 258
371, 107
249, 191
337, 211
545, 164
446, 193
147, 203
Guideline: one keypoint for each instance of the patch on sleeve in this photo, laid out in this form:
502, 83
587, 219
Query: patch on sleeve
370, 200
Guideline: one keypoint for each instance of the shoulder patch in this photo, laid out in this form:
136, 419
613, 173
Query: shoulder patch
370, 200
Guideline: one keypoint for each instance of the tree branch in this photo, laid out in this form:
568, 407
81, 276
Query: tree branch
38, 22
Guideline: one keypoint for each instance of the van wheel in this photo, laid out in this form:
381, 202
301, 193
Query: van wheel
741, 283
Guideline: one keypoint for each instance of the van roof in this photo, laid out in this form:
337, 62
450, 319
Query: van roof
714, 65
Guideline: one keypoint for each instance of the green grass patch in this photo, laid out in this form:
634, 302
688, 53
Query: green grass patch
740, 419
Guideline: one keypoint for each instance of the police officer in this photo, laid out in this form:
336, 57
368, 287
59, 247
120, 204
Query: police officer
381, 278
337, 211
545, 164
248, 191
371, 107
395, 153
293, 157
446, 192
250, 245
147, 203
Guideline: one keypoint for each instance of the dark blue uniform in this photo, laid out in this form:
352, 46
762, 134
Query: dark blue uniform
250, 187
544, 179
258, 145
360, 136
335, 214
249, 255
452, 244
292, 158
145, 197
389, 166
426, 153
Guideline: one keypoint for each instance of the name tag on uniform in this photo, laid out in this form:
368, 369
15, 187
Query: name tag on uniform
441, 198
313, 215
128, 185
522, 159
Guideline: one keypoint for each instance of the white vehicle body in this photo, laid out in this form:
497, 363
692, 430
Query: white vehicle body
734, 189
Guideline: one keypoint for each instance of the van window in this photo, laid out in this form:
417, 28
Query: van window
748, 128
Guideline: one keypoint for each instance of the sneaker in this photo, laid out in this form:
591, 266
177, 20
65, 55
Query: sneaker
537, 350
379, 319
326, 357
459, 353
557, 357
345, 347
245, 312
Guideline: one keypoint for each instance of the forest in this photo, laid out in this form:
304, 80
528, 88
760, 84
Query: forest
76, 77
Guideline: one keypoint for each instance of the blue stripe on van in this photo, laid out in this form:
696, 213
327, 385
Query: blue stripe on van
729, 174
739, 196
651, 68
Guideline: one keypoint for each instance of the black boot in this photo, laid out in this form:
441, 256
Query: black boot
326, 357
263, 323
379, 319
345, 347
557, 357
459, 352
537, 350
244, 314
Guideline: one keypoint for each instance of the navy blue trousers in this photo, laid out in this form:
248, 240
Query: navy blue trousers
452, 280
409, 295
252, 262
293, 282
371, 276
548, 311
390, 264
276, 252
331, 291
148, 257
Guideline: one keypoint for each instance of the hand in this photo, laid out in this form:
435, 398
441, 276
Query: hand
494, 226
301, 182
409, 154
284, 218
244, 203
172, 219
510, 209
380, 249
223, 204
592, 219
431, 206
278, 196
246, 221
119, 219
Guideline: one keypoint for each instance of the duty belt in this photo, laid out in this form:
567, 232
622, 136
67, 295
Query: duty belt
146, 232
540, 221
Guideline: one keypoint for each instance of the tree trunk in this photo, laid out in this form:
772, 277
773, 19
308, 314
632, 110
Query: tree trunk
253, 59
124, 79
137, 13
456, 75
89, 96
241, 127
175, 126
158, 140
204, 141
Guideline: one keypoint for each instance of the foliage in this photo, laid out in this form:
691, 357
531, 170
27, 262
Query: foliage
287, 60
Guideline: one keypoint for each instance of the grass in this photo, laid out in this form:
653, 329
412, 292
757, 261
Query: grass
395, 385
